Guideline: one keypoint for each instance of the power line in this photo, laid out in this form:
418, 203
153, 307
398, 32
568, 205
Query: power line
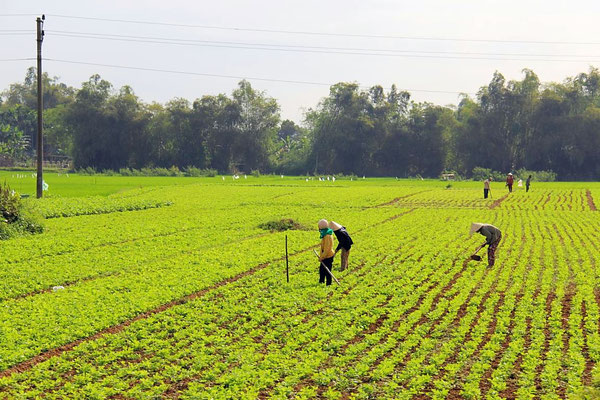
153, 39
313, 33
296, 50
18, 15
227, 76
16, 59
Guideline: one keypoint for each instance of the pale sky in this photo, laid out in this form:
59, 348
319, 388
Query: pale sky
446, 68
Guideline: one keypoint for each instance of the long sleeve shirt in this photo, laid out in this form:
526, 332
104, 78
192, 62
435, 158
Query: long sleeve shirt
491, 233
344, 239
326, 247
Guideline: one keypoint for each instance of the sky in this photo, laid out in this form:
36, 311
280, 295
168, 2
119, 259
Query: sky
293, 50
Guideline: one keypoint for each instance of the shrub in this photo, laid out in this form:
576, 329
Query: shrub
255, 173
282, 225
16, 219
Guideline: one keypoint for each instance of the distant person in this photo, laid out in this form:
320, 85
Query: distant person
326, 255
520, 183
486, 187
344, 243
527, 183
509, 182
492, 239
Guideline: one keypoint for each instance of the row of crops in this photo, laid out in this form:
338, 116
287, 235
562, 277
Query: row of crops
190, 300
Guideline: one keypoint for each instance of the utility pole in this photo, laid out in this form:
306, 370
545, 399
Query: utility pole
40, 99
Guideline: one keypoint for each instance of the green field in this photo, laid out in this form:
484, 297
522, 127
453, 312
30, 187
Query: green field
171, 290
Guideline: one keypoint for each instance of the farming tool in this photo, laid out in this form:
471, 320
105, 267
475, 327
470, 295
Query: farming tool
476, 257
327, 269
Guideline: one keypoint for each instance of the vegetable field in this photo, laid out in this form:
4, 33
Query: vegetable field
176, 292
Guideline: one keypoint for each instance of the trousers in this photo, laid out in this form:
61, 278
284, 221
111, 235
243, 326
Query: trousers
323, 274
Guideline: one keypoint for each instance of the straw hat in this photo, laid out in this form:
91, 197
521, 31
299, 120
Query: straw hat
334, 225
475, 226
510, 173
323, 224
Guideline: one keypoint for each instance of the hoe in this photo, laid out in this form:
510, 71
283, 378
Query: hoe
476, 257
327, 269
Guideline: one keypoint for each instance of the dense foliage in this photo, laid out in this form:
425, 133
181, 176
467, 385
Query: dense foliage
16, 218
509, 125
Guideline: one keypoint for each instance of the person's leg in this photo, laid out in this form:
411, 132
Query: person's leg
485, 193
329, 263
322, 273
344, 259
492, 253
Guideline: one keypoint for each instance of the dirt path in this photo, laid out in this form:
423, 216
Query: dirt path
496, 203
590, 200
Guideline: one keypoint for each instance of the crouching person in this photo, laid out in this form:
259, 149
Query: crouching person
344, 243
326, 255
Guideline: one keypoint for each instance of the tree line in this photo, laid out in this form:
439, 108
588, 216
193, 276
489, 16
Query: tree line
508, 125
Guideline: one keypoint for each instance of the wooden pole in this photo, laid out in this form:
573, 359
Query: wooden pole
287, 266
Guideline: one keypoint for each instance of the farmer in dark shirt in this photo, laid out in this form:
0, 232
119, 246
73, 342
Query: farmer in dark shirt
344, 242
527, 183
492, 239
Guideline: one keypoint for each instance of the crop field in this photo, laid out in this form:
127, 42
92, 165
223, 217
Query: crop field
171, 289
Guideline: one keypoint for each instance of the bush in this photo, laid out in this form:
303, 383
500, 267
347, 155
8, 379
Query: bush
537, 176
255, 173
10, 203
17, 219
282, 225
87, 171
193, 171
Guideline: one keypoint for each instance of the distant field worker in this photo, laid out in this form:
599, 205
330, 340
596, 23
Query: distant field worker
344, 243
486, 187
492, 239
527, 183
326, 255
509, 182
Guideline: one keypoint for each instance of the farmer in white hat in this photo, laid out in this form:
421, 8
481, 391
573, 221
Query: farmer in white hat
492, 239
344, 243
326, 255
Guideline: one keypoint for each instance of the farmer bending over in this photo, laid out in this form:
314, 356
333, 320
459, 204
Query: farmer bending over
344, 242
326, 255
492, 238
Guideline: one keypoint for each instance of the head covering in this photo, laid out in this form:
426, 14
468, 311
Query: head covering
475, 226
334, 225
510, 173
323, 224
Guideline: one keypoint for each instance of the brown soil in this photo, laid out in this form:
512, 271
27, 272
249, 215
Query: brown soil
590, 200
397, 199
538, 371
485, 383
566, 303
589, 364
496, 203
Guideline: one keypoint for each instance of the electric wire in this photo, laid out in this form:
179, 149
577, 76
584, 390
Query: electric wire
227, 76
314, 33
17, 59
431, 56
152, 39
